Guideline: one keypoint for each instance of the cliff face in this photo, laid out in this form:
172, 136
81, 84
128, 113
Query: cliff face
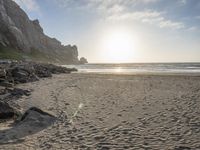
17, 31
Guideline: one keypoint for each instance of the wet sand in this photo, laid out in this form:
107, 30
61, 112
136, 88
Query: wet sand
114, 112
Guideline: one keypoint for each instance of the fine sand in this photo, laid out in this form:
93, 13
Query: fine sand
112, 112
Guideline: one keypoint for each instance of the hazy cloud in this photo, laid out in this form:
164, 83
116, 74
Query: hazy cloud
101, 3
183, 2
193, 29
149, 16
139, 15
171, 24
197, 17
118, 10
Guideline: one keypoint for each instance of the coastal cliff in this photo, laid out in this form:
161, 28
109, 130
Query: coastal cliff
24, 39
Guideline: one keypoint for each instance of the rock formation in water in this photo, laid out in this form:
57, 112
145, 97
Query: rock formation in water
83, 60
26, 37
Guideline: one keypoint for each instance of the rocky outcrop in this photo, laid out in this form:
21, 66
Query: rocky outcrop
13, 73
17, 31
23, 72
83, 60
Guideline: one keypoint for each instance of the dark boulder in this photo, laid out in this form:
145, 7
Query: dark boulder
45, 70
20, 75
42, 71
35, 110
23, 72
3, 93
16, 92
33, 121
8, 94
2, 73
72, 69
5, 83
23, 75
2, 90
6, 112
57, 69
36, 119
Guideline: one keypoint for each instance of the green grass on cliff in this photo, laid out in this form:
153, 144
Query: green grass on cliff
10, 53
37, 55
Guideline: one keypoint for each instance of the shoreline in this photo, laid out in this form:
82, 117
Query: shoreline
138, 69
195, 74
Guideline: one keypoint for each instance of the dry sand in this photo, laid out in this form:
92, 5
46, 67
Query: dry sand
114, 112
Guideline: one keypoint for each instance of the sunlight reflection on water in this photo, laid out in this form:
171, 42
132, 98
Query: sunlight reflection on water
119, 69
139, 68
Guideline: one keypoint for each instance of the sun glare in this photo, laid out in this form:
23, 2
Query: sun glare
118, 46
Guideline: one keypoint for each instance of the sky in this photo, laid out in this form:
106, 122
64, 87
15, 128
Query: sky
107, 31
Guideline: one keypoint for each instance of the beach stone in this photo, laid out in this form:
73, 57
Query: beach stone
4, 96
16, 74
18, 92
22, 75
5, 83
24, 72
182, 148
58, 69
2, 90
6, 112
36, 114
32, 121
99, 137
2, 79
2, 73
42, 71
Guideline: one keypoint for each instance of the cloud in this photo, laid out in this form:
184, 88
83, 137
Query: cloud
100, 3
193, 28
171, 24
29, 5
183, 2
119, 10
144, 16
197, 17
149, 1
149, 16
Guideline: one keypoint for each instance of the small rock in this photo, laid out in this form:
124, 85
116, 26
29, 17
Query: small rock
2, 90
19, 92
2, 73
34, 110
6, 112
182, 148
99, 137
6, 84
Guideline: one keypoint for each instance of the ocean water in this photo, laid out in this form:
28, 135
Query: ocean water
133, 68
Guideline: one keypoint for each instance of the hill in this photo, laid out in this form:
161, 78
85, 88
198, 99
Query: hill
24, 39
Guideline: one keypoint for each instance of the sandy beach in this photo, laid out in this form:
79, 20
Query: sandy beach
96, 111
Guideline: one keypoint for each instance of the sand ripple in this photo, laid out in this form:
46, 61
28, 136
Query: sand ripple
116, 112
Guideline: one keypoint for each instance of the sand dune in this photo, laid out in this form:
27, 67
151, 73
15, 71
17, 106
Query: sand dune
115, 112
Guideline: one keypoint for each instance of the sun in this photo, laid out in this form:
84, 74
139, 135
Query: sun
118, 46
